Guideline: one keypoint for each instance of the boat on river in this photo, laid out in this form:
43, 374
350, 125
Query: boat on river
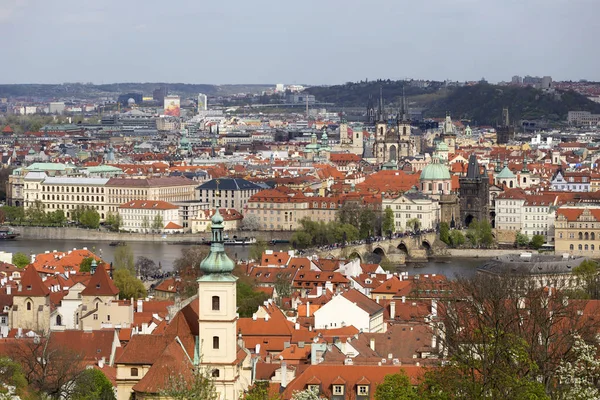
7, 234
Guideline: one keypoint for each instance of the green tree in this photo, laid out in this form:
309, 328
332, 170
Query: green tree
157, 223
35, 214
114, 221
349, 213
11, 374
396, 387
537, 241
20, 260
13, 214
92, 384
457, 238
487, 238
124, 259
306, 394
587, 275
129, 286
388, 221
521, 239
367, 223
343, 232
257, 249
86, 264
445, 232
145, 223
248, 299
413, 224
90, 218
301, 240
57, 217
260, 391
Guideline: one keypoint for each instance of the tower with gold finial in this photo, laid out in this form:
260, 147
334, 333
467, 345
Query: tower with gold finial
217, 314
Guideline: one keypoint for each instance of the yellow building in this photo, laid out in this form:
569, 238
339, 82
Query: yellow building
577, 231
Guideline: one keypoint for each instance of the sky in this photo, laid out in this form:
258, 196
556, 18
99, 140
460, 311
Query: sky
312, 42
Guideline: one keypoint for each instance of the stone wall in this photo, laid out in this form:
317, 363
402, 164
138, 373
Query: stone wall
504, 236
33, 232
481, 253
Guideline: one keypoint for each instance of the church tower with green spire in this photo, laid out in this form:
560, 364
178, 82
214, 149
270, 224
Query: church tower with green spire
218, 316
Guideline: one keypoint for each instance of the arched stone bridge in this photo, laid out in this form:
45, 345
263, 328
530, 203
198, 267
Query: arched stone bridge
398, 250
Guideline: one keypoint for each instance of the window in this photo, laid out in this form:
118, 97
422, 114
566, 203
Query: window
134, 372
58, 320
95, 317
28, 306
216, 303
338, 389
215, 373
363, 390
215, 342
314, 388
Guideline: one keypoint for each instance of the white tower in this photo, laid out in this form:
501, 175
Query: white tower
218, 316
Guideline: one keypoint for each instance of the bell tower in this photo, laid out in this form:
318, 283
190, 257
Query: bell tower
218, 316
380, 131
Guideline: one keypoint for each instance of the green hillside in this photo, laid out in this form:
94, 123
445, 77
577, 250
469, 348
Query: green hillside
483, 103
356, 94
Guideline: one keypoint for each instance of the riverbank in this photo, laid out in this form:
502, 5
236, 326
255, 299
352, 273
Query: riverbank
479, 253
35, 233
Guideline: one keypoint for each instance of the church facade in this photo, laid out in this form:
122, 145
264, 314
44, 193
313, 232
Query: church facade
393, 137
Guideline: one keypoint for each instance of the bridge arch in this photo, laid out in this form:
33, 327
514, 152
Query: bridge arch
379, 251
427, 246
403, 248
355, 254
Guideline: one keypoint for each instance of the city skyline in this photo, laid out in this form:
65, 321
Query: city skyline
310, 43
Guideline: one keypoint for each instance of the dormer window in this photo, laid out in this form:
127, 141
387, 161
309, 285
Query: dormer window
338, 390
314, 388
363, 390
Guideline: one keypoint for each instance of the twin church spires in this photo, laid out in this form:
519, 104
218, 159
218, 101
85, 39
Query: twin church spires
381, 115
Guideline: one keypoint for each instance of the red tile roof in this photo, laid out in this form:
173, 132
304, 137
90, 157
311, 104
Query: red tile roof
32, 284
100, 284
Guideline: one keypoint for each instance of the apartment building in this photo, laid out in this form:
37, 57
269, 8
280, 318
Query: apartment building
571, 181
65, 193
227, 193
150, 216
413, 205
169, 188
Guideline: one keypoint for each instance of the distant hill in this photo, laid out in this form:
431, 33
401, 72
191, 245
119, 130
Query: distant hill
356, 94
75, 90
483, 103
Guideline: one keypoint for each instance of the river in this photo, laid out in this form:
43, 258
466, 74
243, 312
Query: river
167, 253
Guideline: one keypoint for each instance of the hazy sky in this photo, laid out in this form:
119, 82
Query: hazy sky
309, 41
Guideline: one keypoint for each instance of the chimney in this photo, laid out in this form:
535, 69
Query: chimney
319, 291
266, 317
403, 299
434, 307
296, 326
8, 289
392, 309
308, 309
32, 258
257, 348
433, 341
140, 305
254, 317
377, 299
372, 344
283, 374
101, 363
19, 332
